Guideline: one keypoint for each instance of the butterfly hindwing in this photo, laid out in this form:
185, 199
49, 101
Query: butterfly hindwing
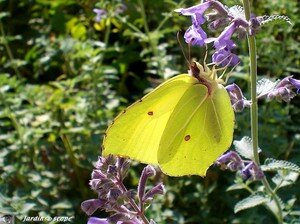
199, 130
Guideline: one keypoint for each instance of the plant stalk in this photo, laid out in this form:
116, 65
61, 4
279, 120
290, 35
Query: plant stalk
9, 52
139, 211
150, 39
254, 113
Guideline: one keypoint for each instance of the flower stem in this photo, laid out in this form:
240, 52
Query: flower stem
254, 114
8, 50
152, 42
139, 212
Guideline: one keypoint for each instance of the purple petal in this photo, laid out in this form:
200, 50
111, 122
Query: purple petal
99, 14
237, 99
226, 157
95, 220
231, 160
281, 93
97, 174
224, 39
197, 11
195, 36
284, 82
284, 89
295, 83
158, 189
113, 194
252, 171
225, 57
91, 205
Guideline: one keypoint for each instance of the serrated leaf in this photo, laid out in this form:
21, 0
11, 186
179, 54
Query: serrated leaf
236, 186
275, 165
264, 86
244, 147
275, 19
250, 202
284, 178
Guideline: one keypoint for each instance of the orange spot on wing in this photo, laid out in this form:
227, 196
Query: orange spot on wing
150, 113
187, 137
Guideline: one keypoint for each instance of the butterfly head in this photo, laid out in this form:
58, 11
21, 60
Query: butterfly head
206, 75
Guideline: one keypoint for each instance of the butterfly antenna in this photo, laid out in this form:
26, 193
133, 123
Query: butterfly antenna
230, 73
181, 47
190, 52
225, 67
206, 68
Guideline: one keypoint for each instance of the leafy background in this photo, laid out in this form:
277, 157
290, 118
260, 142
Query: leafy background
63, 77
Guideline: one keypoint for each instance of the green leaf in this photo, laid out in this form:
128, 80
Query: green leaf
244, 147
275, 165
275, 19
284, 178
62, 205
235, 187
3, 14
28, 207
250, 202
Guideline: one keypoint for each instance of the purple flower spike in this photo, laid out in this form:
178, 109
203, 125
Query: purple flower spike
238, 101
195, 36
148, 171
112, 195
100, 13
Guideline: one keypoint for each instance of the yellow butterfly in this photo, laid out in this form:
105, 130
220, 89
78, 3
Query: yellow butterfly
183, 125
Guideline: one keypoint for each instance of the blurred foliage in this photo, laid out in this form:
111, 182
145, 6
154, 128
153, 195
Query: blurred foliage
63, 77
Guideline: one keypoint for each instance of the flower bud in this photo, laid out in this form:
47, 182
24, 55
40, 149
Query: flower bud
231, 160
238, 101
148, 171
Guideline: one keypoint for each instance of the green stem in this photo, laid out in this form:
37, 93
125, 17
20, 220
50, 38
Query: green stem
106, 40
11, 115
8, 50
129, 24
254, 114
168, 16
69, 149
150, 39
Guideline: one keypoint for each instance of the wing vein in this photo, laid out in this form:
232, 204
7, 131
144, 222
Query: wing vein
188, 119
217, 117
